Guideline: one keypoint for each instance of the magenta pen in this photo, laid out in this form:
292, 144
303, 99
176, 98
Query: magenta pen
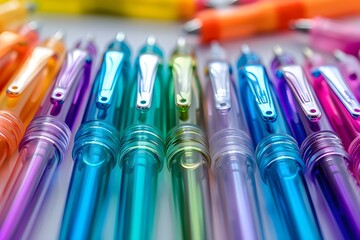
46, 141
328, 35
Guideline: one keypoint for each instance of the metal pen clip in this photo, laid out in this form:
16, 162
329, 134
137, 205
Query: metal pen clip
337, 84
70, 72
259, 84
110, 72
38, 60
219, 74
148, 66
299, 85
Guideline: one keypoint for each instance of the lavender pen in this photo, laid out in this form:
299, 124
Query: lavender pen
231, 151
46, 141
321, 149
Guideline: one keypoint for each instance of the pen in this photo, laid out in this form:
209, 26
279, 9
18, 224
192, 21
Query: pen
263, 17
339, 103
321, 149
277, 153
96, 145
349, 67
22, 96
142, 145
154, 9
46, 140
327, 35
13, 14
14, 49
231, 151
187, 151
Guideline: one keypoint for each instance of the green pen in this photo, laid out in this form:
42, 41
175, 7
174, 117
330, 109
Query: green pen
187, 148
142, 145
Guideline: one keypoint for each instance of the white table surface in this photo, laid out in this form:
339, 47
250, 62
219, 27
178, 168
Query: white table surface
104, 29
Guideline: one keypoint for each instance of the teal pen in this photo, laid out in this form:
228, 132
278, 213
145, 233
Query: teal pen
142, 145
96, 145
277, 152
187, 150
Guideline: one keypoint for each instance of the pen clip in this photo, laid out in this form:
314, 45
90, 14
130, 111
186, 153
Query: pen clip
109, 74
219, 74
183, 71
148, 66
259, 85
337, 84
36, 62
70, 72
299, 85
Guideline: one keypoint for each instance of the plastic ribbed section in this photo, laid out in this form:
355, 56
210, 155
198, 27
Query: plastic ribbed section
11, 129
142, 137
48, 129
354, 152
186, 137
229, 142
319, 145
98, 133
277, 147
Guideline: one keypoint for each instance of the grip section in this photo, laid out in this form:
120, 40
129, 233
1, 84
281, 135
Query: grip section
188, 162
282, 169
141, 159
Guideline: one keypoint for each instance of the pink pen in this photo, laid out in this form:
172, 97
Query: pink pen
349, 67
339, 103
328, 35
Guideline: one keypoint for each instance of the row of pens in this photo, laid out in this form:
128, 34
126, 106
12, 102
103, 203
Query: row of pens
302, 121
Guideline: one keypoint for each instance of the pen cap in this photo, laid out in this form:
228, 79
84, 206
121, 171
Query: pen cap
147, 99
184, 87
260, 104
65, 97
107, 97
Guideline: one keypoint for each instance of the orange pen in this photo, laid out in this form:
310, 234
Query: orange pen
14, 49
13, 14
21, 98
263, 16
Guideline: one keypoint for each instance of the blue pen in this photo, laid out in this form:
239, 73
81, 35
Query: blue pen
46, 141
142, 145
277, 153
96, 145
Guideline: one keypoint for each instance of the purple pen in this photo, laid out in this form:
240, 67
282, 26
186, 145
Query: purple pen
231, 151
46, 141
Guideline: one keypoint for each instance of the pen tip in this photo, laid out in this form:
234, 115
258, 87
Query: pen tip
217, 51
151, 40
245, 49
278, 50
33, 25
59, 35
339, 55
302, 25
30, 7
307, 52
192, 27
120, 36
181, 42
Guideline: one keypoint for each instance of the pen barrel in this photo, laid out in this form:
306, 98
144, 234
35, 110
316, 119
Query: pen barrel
354, 152
326, 160
42, 148
11, 132
188, 162
95, 152
141, 159
281, 167
233, 164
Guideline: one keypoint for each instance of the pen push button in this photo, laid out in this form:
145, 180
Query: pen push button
295, 77
337, 84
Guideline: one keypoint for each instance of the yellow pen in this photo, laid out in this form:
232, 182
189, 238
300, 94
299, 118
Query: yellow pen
13, 14
20, 99
155, 9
